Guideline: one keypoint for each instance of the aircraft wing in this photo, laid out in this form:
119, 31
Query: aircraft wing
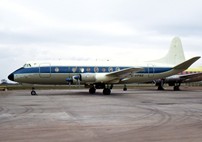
186, 64
125, 73
191, 77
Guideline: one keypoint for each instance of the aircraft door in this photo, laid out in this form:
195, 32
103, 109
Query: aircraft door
45, 70
150, 68
68, 72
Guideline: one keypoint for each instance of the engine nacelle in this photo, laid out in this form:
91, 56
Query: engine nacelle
104, 78
96, 78
74, 79
88, 77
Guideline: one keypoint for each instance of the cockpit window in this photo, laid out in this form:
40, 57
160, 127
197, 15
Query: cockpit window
27, 66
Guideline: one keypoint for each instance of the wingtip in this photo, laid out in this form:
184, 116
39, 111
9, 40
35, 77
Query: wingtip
187, 63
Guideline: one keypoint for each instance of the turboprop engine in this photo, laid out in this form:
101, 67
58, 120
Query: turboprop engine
84, 78
90, 78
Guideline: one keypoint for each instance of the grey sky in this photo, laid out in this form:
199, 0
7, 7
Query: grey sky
96, 29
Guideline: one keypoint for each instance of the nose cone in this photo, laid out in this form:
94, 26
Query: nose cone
11, 77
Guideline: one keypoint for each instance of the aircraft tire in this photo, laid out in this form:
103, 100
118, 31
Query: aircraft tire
176, 88
92, 90
106, 91
33, 92
160, 88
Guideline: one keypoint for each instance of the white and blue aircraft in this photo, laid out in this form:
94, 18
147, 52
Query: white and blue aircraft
100, 74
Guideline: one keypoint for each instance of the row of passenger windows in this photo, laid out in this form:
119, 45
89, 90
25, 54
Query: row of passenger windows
91, 69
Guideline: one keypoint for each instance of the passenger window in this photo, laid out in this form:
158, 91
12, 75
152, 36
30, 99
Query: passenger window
57, 69
82, 70
110, 69
96, 69
88, 69
103, 69
117, 69
74, 69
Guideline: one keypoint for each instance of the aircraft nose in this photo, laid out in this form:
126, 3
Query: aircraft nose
11, 77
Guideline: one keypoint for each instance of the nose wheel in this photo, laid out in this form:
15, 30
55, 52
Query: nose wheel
33, 92
125, 87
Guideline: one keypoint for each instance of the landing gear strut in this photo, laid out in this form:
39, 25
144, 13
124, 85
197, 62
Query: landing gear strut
125, 87
33, 92
176, 87
160, 85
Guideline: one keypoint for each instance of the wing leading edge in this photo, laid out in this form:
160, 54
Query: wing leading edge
125, 72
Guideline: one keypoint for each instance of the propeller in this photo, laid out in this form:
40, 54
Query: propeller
78, 79
73, 79
69, 81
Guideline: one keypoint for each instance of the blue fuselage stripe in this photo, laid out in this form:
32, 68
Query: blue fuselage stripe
90, 69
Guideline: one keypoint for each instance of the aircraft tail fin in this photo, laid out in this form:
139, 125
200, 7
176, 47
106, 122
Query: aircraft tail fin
175, 54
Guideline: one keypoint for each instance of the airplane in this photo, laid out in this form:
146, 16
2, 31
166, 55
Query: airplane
187, 76
102, 74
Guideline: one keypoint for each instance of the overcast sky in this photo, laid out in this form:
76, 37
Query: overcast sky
96, 29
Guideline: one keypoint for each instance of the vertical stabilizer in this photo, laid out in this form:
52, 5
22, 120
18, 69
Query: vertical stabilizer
175, 54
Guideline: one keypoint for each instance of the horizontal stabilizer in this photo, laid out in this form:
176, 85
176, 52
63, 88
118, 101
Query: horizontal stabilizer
187, 64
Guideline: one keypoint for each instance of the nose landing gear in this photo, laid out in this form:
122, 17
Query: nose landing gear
125, 87
33, 92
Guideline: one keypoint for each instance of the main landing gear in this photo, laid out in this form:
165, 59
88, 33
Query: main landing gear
33, 92
106, 89
175, 88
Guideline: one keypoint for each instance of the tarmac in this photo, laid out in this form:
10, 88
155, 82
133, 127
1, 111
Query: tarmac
137, 115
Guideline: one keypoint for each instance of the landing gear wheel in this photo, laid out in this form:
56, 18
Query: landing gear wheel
161, 84
106, 91
125, 87
176, 88
92, 90
160, 88
33, 92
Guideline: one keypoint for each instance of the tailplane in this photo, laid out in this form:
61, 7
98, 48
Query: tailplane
175, 54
